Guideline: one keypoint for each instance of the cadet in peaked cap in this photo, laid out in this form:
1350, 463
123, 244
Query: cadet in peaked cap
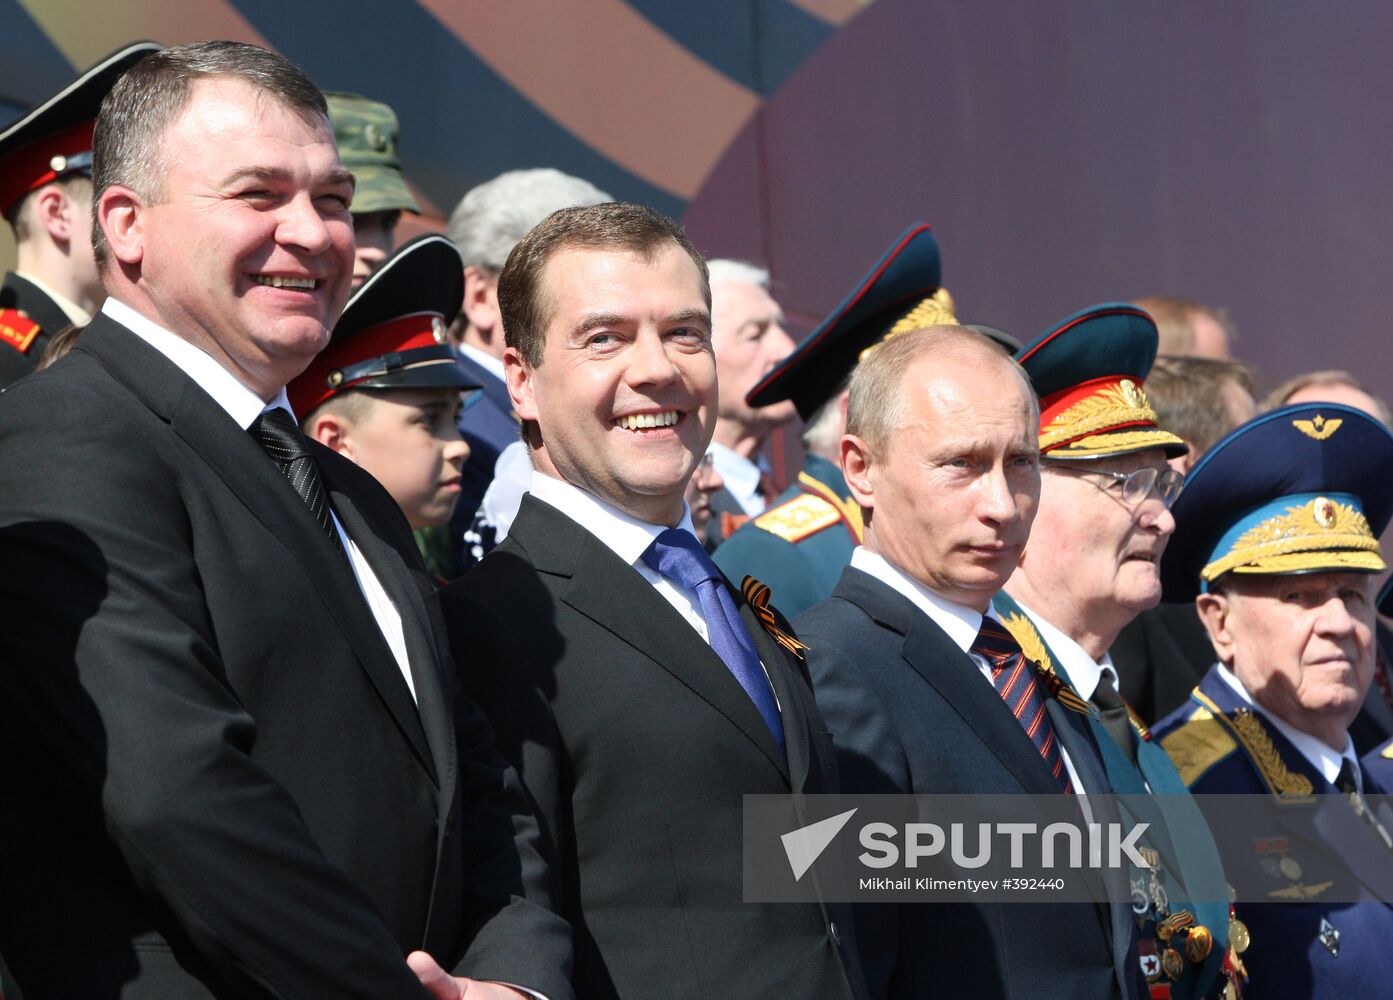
1091, 565
801, 544
367, 135
56, 284
1277, 543
386, 392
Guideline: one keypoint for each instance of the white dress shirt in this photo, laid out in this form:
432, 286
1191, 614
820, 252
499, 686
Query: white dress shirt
244, 406
960, 622
741, 477
485, 360
77, 315
628, 538
1319, 754
1083, 670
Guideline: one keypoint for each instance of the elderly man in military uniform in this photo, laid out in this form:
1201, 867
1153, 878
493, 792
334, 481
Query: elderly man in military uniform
1092, 563
801, 544
367, 134
1277, 544
46, 197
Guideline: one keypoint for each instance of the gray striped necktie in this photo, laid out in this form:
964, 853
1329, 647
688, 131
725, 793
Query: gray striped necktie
278, 433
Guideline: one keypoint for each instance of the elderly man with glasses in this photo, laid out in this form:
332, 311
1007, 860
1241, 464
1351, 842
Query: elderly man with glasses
1091, 565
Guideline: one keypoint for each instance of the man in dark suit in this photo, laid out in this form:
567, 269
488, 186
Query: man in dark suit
46, 197
645, 697
924, 690
233, 761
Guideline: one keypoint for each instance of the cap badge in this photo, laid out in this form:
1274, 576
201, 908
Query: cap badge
1318, 427
58, 164
335, 378
1324, 510
375, 137
437, 328
1132, 394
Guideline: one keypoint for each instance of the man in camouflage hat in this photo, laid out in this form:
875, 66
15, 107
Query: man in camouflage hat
367, 134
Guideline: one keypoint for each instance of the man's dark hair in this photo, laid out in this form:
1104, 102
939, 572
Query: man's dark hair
128, 141
610, 226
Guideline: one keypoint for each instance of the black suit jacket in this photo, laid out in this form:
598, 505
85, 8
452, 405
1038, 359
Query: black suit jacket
911, 713
638, 745
213, 775
22, 294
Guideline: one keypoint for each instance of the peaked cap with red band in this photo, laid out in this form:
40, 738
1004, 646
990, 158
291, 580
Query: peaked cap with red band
1088, 372
902, 285
55, 137
392, 332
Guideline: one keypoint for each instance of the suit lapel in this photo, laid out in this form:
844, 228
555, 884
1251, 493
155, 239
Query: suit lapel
614, 596
794, 702
929, 651
426, 721
239, 461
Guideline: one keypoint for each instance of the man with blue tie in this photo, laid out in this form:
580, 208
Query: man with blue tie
1276, 542
924, 689
637, 692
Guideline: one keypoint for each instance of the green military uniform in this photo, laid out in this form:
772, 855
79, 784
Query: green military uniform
801, 544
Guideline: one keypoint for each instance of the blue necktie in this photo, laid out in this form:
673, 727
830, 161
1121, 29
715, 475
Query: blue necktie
677, 555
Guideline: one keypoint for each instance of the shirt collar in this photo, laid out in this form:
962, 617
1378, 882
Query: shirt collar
1318, 753
622, 533
485, 360
1083, 670
960, 622
241, 403
741, 476
77, 315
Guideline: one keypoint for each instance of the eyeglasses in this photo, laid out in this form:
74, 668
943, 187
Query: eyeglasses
1138, 484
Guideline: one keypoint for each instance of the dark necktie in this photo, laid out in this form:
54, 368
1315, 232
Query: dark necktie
1014, 679
677, 555
1112, 713
277, 432
1347, 784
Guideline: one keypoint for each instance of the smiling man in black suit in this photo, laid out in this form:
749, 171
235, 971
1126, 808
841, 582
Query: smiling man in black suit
233, 759
644, 698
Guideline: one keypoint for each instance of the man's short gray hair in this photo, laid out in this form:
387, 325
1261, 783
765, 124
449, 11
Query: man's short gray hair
492, 217
737, 270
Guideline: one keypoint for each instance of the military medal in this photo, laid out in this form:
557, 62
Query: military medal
1290, 867
1238, 935
1172, 964
1159, 898
1140, 902
1150, 964
1330, 937
1198, 942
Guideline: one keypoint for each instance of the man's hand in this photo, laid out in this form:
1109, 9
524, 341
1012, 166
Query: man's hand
444, 986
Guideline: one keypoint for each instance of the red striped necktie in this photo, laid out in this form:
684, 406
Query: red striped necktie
1015, 680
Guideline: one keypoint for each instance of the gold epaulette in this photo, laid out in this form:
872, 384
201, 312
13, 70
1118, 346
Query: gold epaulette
798, 518
1201, 742
1250, 731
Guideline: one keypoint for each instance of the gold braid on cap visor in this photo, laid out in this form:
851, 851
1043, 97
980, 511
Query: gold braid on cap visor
1320, 535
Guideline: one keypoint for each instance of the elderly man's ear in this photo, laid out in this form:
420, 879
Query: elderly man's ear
1213, 610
